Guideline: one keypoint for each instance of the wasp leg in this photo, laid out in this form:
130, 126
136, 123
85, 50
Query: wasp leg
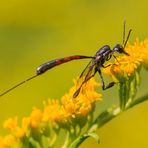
116, 59
103, 83
109, 57
78, 90
106, 65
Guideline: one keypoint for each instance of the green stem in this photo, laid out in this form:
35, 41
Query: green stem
107, 116
138, 101
53, 140
67, 140
122, 95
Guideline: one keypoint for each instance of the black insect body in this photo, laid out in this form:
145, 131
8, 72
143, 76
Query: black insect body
103, 54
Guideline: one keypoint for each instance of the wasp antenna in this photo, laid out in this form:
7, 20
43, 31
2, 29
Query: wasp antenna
127, 38
15, 86
124, 25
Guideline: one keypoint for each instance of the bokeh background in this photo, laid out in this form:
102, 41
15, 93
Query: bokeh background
33, 32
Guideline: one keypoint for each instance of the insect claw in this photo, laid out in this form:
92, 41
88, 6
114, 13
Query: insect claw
110, 85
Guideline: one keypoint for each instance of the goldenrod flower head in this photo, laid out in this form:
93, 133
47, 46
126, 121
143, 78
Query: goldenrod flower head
126, 66
52, 111
26, 123
35, 118
2, 144
145, 53
20, 133
71, 108
75, 106
11, 124
7, 141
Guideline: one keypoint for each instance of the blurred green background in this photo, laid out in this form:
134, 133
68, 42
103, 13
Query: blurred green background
33, 32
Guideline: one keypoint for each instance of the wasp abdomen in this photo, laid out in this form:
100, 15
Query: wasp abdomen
44, 67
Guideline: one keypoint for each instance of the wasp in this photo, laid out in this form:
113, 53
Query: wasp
97, 62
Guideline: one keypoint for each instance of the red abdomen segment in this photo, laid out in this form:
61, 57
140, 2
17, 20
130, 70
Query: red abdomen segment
48, 65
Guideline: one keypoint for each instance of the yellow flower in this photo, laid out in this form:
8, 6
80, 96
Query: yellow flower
145, 53
126, 66
25, 123
20, 133
52, 111
85, 109
2, 144
7, 141
35, 118
11, 124
70, 107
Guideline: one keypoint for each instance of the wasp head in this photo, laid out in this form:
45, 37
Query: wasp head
120, 49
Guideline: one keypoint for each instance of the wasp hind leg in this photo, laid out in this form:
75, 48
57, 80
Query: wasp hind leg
111, 84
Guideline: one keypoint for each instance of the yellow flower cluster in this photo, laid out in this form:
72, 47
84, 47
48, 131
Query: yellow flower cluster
71, 108
125, 66
54, 113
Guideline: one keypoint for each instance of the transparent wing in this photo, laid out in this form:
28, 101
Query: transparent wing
86, 74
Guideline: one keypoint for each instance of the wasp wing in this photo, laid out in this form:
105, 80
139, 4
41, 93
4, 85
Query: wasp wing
86, 74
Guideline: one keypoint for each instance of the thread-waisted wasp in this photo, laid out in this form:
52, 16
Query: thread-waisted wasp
97, 62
